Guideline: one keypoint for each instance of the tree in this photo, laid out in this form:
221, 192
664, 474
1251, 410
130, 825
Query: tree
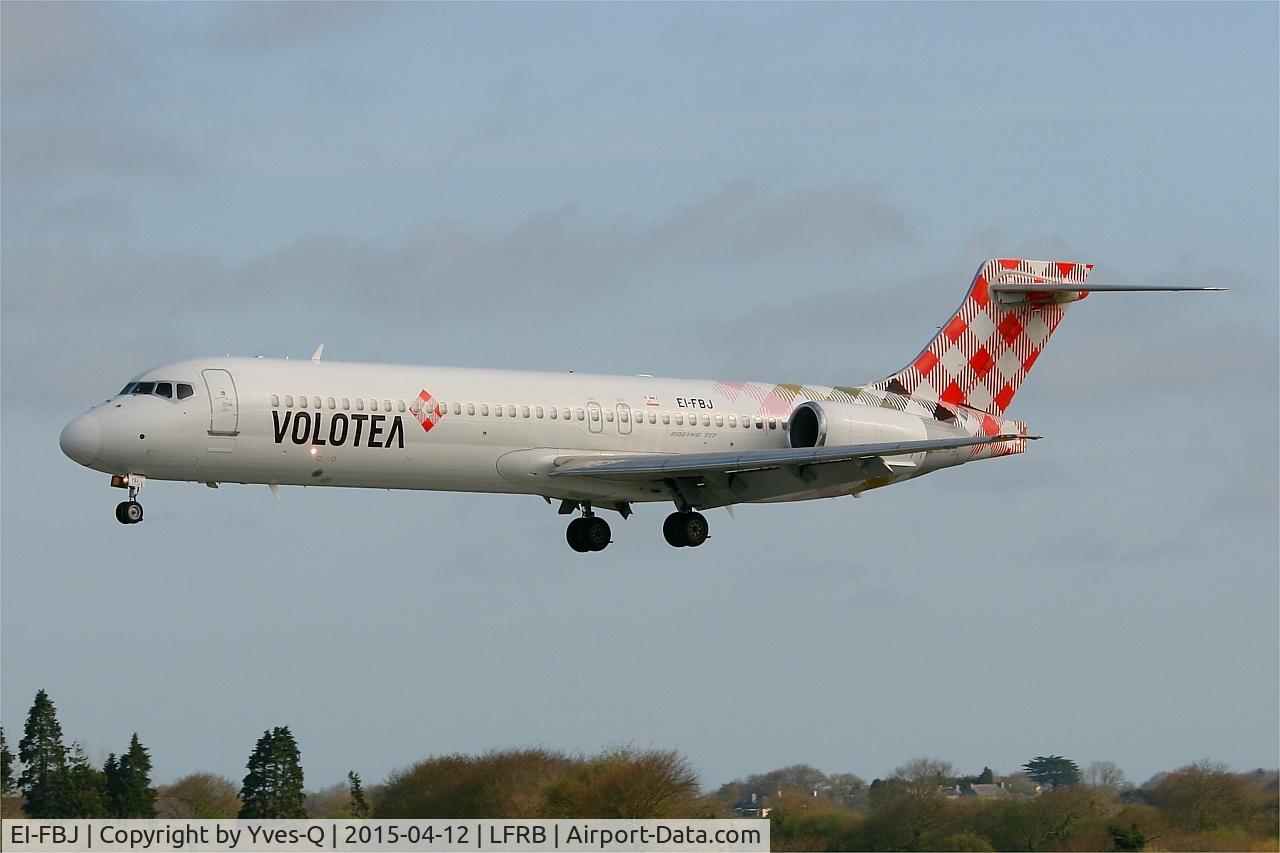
272, 788
1204, 796
1053, 770
44, 759
359, 806
128, 783
624, 783
6, 767
1105, 774
198, 795
81, 788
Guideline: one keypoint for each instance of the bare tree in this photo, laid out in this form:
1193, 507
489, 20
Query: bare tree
1105, 774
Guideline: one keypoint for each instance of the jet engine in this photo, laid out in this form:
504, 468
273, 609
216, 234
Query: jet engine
828, 424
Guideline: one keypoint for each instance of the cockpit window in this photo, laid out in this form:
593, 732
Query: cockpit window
160, 389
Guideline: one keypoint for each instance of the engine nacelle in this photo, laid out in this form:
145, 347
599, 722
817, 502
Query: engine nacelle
815, 424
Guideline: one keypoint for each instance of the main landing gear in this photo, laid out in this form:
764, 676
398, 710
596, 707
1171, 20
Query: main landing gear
588, 533
686, 529
130, 511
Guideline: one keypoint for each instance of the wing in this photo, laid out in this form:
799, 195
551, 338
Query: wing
706, 480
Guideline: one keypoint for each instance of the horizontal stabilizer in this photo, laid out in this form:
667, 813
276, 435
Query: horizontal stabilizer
1055, 287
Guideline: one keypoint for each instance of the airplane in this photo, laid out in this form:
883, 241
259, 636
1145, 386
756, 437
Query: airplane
591, 442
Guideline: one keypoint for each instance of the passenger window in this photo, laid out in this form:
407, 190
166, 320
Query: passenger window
579, 413
457, 408
275, 400
373, 405
359, 404
733, 420
164, 389
484, 410
666, 417
786, 426
679, 418
302, 401
333, 404
553, 412
538, 411
288, 401
565, 414
185, 390
653, 417
400, 405
623, 416
608, 415
346, 404
524, 411
144, 388
706, 420
471, 408
719, 420
497, 411
595, 414
746, 422
315, 402
773, 423
386, 405
759, 423
511, 411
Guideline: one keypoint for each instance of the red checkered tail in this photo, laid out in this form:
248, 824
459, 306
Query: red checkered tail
982, 354
987, 348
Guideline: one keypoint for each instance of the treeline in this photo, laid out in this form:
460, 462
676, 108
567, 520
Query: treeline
1048, 804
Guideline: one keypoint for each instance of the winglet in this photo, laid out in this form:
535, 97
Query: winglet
315, 356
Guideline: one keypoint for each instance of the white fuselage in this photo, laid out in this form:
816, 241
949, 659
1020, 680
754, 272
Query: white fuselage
319, 423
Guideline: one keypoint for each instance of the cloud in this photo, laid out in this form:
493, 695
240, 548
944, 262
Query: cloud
257, 28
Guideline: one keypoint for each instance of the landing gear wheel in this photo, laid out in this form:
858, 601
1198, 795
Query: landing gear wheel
685, 529
694, 529
596, 533
129, 512
575, 534
671, 530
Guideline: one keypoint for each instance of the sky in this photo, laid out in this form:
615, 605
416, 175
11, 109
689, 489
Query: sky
773, 192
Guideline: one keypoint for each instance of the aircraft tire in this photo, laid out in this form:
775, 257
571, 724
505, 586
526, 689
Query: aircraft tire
693, 528
671, 530
132, 512
120, 516
575, 535
596, 533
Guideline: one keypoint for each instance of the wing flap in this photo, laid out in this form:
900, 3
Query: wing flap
651, 466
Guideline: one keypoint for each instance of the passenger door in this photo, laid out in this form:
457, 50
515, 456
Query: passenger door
595, 420
224, 405
624, 419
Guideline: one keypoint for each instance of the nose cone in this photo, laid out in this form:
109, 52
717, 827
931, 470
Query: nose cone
81, 439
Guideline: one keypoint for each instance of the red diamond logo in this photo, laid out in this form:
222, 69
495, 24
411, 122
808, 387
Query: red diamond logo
955, 328
926, 362
953, 394
1005, 397
1010, 327
982, 362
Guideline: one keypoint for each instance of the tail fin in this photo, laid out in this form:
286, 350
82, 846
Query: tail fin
987, 348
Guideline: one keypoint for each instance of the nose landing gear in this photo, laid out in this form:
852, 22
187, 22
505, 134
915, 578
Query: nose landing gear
130, 511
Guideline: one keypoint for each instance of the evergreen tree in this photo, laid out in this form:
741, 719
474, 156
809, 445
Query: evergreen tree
131, 793
6, 766
1053, 770
359, 805
986, 777
44, 759
272, 788
113, 784
81, 789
